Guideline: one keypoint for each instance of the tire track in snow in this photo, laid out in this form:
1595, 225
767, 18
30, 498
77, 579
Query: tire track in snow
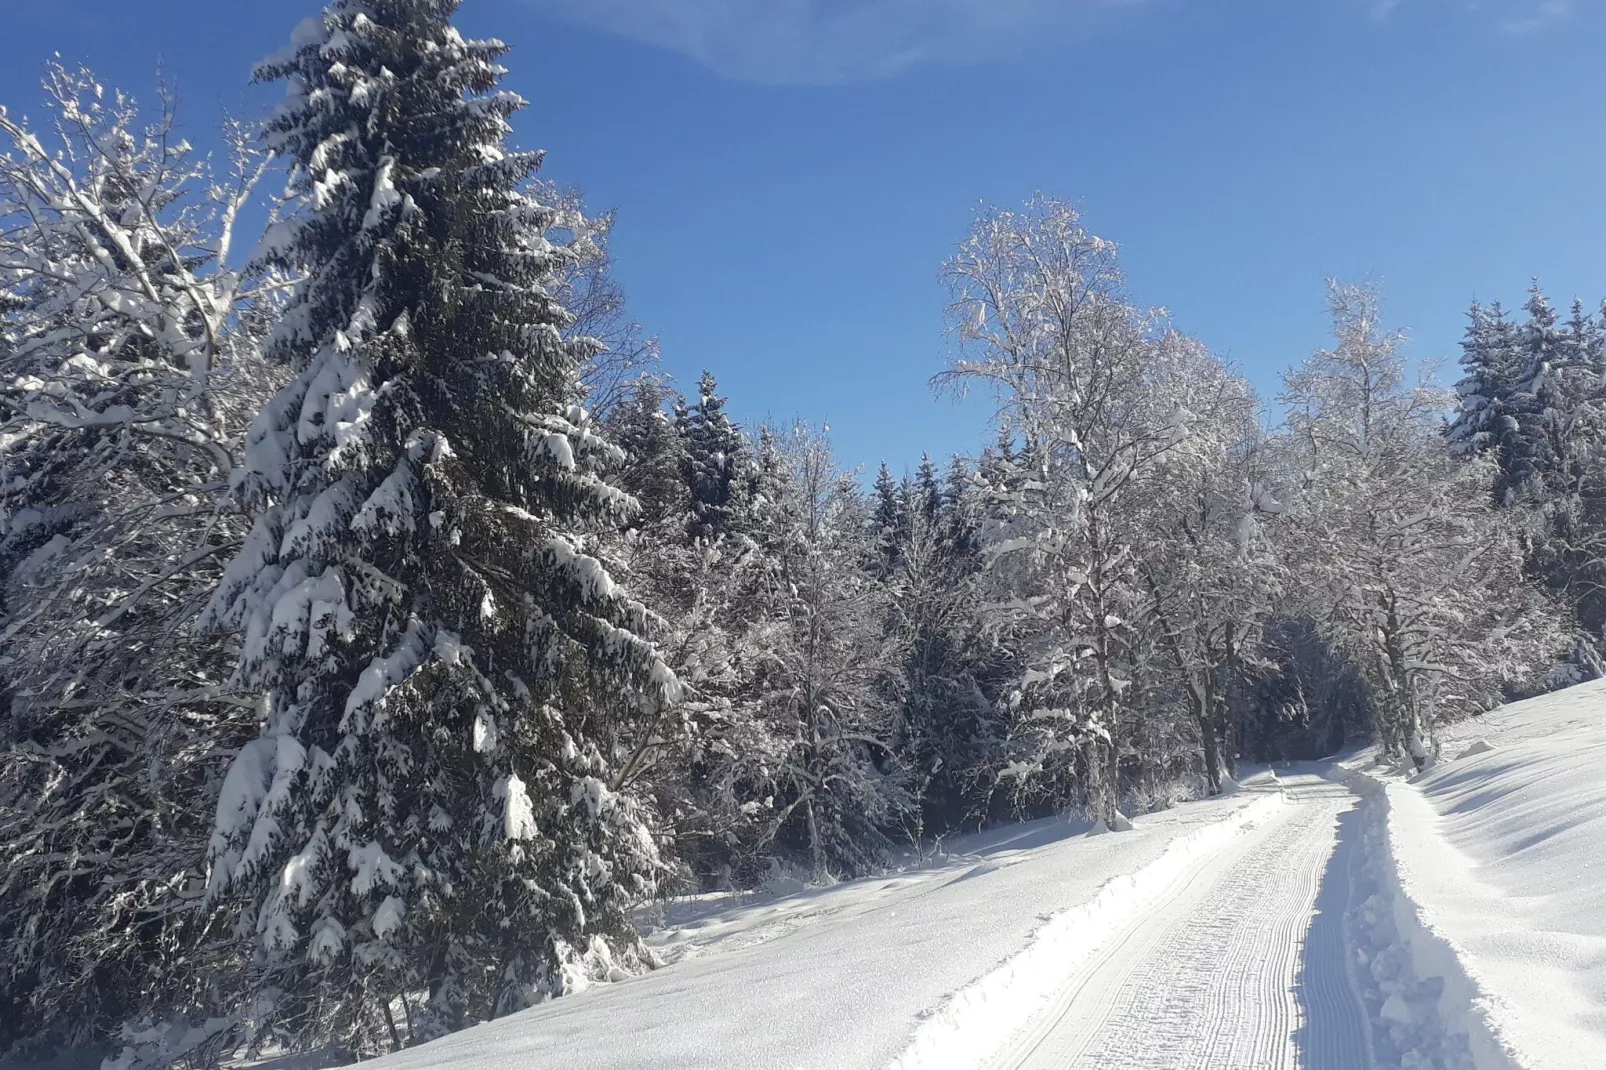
1216, 976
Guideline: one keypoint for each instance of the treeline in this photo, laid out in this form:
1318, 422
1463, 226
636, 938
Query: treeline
381, 631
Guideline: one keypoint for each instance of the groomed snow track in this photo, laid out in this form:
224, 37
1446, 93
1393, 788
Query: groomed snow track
1266, 931
1237, 965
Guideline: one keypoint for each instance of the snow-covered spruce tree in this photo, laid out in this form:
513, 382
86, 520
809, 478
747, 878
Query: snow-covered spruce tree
1532, 400
437, 824
889, 520
701, 586
655, 461
1042, 321
1564, 428
715, 461
1491, 407
947, 726
704, 586
925, 494
1400, 550
129, 356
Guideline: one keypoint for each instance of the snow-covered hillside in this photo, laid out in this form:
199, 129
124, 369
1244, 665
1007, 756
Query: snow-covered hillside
1502, 847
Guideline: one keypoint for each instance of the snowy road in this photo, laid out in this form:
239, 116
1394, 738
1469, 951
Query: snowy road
836, 978
1228, 956
1239, 966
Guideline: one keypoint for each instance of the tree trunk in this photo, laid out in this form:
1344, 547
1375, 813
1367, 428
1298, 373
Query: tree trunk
1212, 752
1226, 723
816, 849
1109, 785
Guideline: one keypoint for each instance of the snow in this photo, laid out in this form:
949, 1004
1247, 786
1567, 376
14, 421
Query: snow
1234, 962
391, 508
1451, 920
258, 781
1425, 1010
385, 195
1338, 916
518, 813
371, 868
980, 1018
239, 801
386, 672
389, 916
486, 735
856, 966
584, 570
558, 447
1502, 851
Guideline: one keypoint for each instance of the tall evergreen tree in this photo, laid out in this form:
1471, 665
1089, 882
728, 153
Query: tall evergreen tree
1488, 417
716, 457
655, 453
1532, 399
927, 497
1566, 429
889, 521
436, 825
1543, 345
961, 507
948, 725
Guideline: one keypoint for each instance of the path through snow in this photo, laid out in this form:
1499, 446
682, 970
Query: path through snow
1239, 965
835, 978
1262, 931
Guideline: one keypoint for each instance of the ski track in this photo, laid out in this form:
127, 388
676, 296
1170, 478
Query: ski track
1239, 966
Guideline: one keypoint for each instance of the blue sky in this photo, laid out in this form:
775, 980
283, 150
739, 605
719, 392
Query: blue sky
790, 174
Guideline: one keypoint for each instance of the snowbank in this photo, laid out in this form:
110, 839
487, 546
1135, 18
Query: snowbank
1498, 856
1424, 1008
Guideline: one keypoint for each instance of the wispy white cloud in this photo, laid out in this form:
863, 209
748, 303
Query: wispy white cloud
1542, 15
1510, 16
823, 41
1381, 10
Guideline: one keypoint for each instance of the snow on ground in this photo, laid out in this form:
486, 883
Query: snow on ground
1455, 921
1212, 973
982, 1018
828, 979
1501, 848
1342, 916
